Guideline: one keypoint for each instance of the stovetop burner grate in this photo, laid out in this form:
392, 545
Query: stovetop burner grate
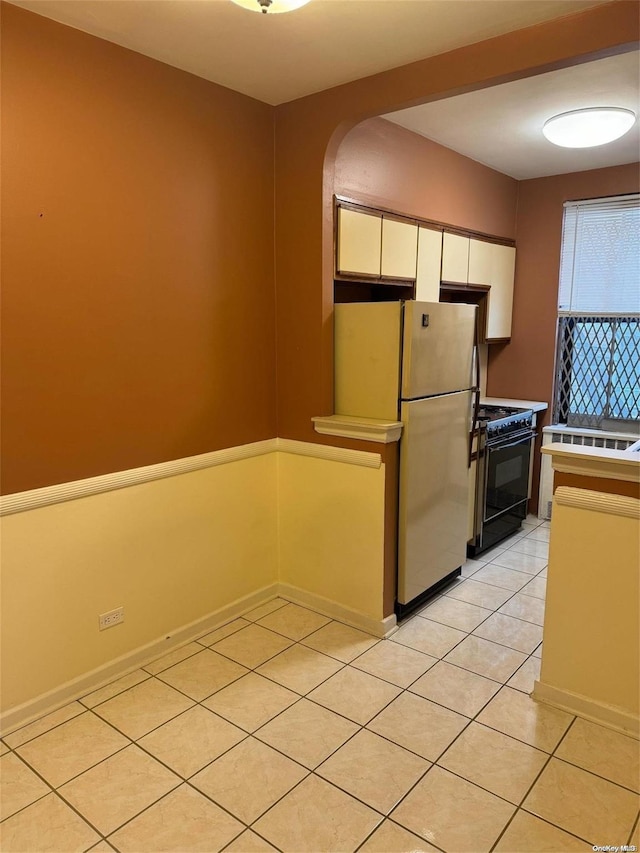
501, 420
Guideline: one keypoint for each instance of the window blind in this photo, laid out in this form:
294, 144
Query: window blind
600, 259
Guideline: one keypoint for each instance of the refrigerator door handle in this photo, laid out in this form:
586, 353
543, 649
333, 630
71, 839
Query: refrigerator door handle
476, 396
474, 426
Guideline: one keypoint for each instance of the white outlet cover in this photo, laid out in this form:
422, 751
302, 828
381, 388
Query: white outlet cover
111, 618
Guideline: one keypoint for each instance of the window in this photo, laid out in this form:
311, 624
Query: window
597, 382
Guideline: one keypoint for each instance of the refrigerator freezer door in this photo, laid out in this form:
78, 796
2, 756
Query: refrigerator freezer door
438, 341
434, 491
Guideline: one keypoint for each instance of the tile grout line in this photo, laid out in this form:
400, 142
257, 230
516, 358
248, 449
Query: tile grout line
553, 755
248, 735
364, 728
361, 728
56, 788
471, 720
178, 777
542, 769
199, 703
480, 637
435, 764
187, 780
519, 805
633, 828
134, 742
313, 772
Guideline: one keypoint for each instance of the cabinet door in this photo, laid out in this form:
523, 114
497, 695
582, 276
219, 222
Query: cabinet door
359, 242
481, 262
501, 293
399, 248
455, 258
429, 265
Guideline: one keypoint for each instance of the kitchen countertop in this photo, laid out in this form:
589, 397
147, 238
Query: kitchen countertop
536, 406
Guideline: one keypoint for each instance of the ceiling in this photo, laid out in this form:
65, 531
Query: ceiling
278, 58
502, 126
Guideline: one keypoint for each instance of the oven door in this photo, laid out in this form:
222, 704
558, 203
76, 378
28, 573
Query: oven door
506, 475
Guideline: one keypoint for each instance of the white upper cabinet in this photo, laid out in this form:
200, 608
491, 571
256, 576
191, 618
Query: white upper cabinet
455, 258
481, 256
393, 251
359, 242
429, 265
477, 262
399, 248
501, 293
373, 245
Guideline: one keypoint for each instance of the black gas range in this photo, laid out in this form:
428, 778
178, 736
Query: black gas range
505, 441
497, 422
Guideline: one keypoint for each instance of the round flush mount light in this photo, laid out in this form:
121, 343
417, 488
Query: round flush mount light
271, 6
588, 127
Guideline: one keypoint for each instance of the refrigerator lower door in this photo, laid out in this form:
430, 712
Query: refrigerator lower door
434, 491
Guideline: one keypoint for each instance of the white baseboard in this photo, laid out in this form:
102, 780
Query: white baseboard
378, 627
46, 703
15, 718
582, 706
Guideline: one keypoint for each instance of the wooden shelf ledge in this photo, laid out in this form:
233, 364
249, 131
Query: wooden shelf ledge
365, 429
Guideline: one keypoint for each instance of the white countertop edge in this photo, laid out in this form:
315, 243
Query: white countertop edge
534, 405
365, 429
594, 461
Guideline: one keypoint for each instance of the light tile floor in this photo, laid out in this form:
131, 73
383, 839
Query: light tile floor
284, 730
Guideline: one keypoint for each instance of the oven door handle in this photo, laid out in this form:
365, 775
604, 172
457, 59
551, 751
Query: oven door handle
522, 440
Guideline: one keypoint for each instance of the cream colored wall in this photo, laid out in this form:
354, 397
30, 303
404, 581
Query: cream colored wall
174, 550
170, 551
330, 530
591, 628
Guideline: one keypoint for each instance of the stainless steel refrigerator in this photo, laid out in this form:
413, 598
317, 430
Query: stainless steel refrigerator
413, 362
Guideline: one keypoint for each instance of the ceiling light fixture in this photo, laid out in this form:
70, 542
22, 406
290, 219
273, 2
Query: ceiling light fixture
272, 6
588, 127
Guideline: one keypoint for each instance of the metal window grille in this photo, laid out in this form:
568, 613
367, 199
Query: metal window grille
597, 382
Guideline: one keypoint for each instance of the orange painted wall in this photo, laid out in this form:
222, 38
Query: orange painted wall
139, 314
138, 311
383, 164
524, 367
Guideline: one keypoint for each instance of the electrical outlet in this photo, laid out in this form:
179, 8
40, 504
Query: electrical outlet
113, 617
